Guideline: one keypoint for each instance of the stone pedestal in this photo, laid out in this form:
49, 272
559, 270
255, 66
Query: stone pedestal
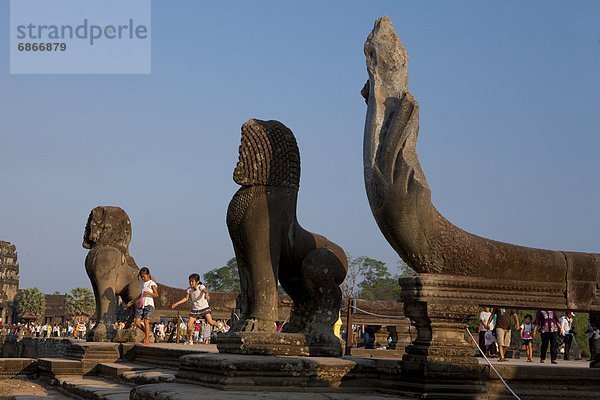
440, 341
278, 344
293, 374
439, 362
102, 333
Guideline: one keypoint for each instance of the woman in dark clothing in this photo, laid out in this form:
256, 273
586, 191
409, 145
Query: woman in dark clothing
547, 323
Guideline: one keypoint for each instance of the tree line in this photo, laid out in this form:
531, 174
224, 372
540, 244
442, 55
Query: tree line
367, 278
31, 303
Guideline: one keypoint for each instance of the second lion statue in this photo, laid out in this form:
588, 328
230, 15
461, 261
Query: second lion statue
113, 272
110, 267
270, 244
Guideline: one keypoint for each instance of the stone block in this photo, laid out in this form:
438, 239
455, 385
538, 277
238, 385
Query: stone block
59, 366
252, 372
275, 344
11, 367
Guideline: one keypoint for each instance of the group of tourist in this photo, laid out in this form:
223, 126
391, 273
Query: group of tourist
48, 330
496, 327
167, 330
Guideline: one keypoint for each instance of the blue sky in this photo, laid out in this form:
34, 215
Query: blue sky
510, 117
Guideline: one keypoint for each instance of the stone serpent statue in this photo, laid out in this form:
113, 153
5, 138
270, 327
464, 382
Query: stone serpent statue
400, 198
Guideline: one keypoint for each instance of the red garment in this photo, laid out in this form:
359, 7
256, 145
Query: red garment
547, 321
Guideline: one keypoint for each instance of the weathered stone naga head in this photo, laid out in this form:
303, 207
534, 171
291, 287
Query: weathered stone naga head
400, 197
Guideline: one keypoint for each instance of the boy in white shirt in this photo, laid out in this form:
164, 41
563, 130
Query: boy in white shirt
200, 309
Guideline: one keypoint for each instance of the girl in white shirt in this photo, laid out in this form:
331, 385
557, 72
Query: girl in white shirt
527, 336
145, 303
200, 309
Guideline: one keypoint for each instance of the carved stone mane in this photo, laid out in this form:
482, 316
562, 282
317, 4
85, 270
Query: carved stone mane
271, 246
268, 156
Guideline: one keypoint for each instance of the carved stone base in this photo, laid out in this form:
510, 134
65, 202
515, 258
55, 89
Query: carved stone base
131, 335
101, 333
439, 362
440, 340
277, 344
290, 374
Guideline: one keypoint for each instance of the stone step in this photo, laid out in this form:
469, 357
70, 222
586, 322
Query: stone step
547, 391
93, 388
568, 379
395, 354
134, 374
251, 372
143, 377
12, 367
179, 391
116, 369
51, 367
167, 355
53, 396
93, 351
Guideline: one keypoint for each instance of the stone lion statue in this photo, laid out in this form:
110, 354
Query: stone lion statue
270, 244
113, 271
110, 267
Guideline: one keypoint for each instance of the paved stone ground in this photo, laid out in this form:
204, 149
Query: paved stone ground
24, 390
536, 362
98, 388
119, 389
211, 348
176, 391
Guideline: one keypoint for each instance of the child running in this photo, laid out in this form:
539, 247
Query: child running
200, 309
144, 303
527, 336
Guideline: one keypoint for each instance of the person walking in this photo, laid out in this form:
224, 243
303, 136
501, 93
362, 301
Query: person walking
200, 308
547, 323
593, 335
81, 330
503, 328
566, 326
527, 336
145, 303
484, 316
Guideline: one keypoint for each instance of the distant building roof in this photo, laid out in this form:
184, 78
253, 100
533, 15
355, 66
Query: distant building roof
55, 306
